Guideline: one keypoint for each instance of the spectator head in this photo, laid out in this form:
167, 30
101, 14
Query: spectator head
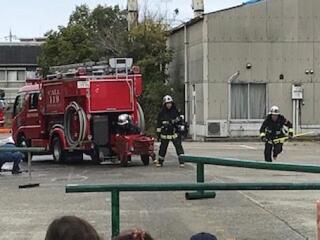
134, 234
71, 228
203, 236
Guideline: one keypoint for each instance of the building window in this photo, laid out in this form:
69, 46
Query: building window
248, 101
2, 75
12, 76
16, 75
21, 76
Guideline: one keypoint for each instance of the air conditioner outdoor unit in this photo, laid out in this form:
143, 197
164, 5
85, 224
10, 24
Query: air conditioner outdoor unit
217, 128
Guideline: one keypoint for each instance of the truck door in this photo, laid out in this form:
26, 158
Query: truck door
33, 128
19, 116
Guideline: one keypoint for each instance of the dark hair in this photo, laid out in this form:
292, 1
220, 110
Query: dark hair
71, 228
134, 234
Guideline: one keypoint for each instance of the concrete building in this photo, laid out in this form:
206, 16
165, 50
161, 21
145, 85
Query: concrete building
238, 62
18, 61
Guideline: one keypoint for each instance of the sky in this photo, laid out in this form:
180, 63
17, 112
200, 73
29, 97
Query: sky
33, 18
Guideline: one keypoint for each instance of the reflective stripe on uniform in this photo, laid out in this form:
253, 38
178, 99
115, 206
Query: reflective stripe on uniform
169, 137
262, 134
290, 130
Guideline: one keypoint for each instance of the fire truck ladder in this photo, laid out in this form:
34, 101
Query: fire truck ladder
115, 66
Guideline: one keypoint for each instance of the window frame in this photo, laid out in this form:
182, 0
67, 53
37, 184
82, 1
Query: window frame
248, 119
21, 105
31, 95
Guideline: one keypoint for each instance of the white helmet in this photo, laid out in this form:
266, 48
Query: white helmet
274, 110
124, 119
167, 99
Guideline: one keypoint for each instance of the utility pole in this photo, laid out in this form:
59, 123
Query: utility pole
10, 37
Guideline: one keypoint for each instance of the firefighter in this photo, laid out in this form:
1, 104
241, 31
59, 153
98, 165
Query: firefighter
168, 123
125, 125
272, 129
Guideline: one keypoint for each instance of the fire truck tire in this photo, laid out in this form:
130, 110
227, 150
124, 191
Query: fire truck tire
59, 155
145, 159
22, 142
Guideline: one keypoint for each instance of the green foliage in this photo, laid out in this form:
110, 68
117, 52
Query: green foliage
101, 33
89, 35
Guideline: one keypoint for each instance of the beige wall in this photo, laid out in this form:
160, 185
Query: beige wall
276, 37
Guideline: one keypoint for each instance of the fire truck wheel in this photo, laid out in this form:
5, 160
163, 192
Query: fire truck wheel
58, 153
125, 160
145, 159
22, 142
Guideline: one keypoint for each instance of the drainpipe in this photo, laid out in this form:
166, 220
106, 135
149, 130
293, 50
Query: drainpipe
186, 70
194, 120
230, 80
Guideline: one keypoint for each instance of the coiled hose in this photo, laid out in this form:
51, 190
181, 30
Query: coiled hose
71, 108
141, 119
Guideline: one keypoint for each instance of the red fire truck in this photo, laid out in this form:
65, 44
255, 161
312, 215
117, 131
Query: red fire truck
75, 111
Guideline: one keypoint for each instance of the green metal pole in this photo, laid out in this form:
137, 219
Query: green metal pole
23, 149
229, 162
115, 212
166, 187
200, 172
200, 179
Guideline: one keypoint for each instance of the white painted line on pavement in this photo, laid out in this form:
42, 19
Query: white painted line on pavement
248, 147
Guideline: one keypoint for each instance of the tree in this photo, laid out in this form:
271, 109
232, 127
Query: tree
89, 35
102, 33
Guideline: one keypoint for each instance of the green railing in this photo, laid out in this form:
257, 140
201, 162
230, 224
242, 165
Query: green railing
229, 162
115, 190
23, 149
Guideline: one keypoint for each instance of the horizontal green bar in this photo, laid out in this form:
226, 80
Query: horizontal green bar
22, 149
229, 162
75, 188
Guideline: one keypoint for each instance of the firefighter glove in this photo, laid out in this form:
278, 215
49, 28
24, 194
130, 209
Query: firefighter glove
263, 137
290, 133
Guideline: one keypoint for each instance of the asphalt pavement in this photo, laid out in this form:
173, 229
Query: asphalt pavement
26, 213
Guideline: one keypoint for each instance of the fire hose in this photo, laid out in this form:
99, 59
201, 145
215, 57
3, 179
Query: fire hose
283, 139
72, 108
141, 119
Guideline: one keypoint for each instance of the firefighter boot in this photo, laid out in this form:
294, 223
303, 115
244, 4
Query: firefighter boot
159, 162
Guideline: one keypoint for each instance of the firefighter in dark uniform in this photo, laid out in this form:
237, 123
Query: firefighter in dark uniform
169, 129
125, 125
273, 129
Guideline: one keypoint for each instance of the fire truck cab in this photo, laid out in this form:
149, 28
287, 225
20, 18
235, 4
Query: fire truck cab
75, 110
2, 107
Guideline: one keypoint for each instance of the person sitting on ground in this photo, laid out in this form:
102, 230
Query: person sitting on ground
71, 228
134, 234
203, 236
11, 156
